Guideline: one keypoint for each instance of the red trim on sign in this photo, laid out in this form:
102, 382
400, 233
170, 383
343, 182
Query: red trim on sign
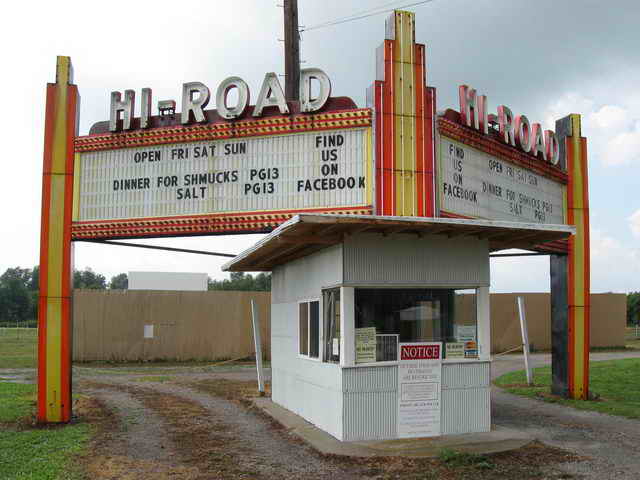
388, 131
197, 225
445, 214
42, 359
44, 235
430, 148
223, 130
487, 144
586, 265
420, 110
49, 120
378, 91
65, 361
72, 116
65, 281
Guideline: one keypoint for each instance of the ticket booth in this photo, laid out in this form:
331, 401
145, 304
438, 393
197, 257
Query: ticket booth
380, 325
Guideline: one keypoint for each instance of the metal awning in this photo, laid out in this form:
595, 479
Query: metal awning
307, 233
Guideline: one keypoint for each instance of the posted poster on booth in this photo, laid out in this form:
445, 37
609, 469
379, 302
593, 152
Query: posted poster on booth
419, 388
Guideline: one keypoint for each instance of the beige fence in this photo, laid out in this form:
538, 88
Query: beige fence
608, 320
110, 325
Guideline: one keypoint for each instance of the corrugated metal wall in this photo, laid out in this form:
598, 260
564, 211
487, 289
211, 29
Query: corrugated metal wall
608, 320
304, 278
466, 397
109, 325
370, 402
310, 388
371, 259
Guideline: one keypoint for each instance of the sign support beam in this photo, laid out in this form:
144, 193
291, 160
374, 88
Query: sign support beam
56, 254
570, 275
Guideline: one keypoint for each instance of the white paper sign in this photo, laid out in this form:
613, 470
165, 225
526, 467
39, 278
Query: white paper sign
419, 387
148, 331
465, 333
365, 345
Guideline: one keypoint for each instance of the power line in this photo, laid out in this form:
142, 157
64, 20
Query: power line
357, 15
364, 14
365, 11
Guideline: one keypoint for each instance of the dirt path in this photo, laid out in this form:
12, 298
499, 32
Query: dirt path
171, 424
612, 444
190, 428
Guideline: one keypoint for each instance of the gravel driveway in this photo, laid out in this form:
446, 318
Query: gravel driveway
611, 443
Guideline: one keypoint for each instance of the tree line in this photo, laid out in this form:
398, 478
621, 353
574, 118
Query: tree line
633, 308
19, 290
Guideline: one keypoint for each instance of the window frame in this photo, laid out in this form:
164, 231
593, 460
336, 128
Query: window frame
308, 302
324, 332
476, 288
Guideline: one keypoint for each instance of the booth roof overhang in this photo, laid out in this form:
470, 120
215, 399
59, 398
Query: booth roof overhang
308, 233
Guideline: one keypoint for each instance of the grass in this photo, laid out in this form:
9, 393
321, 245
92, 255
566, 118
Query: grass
35, 453
154, 378
453, 458
616, 382
16, 401
632, 337
18, 347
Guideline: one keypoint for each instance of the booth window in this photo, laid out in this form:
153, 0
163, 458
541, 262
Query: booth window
309, 329
414, 315
331, 302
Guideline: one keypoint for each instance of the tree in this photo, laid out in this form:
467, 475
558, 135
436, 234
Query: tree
34, 289
88, 279
241, 281
119, 282
633, 308
16, 302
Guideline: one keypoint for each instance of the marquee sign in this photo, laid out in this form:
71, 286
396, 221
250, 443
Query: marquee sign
285, 172
499, 167
477, 184
222, 176
242, 168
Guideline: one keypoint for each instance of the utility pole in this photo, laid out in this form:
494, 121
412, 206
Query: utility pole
291, 50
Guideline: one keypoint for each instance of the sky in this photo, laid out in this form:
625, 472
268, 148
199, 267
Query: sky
545, 59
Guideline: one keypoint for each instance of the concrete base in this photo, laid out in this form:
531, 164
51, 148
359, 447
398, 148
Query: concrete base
499, 439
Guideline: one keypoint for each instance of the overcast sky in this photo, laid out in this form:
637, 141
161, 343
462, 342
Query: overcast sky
544, 59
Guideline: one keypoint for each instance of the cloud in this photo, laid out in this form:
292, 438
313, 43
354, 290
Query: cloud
612, 130
634, 223
614, 267
623, 148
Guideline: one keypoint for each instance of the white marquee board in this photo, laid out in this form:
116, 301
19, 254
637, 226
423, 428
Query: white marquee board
284, 172
479, 185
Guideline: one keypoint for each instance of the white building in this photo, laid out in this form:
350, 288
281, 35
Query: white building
179, 281
348, 290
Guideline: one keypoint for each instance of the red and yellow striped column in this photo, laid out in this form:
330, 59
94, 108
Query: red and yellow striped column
578, 280
54, 316
404, 110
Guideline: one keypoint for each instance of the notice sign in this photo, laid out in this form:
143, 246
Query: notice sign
476, 184
253, 174
365, 345
419, 382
